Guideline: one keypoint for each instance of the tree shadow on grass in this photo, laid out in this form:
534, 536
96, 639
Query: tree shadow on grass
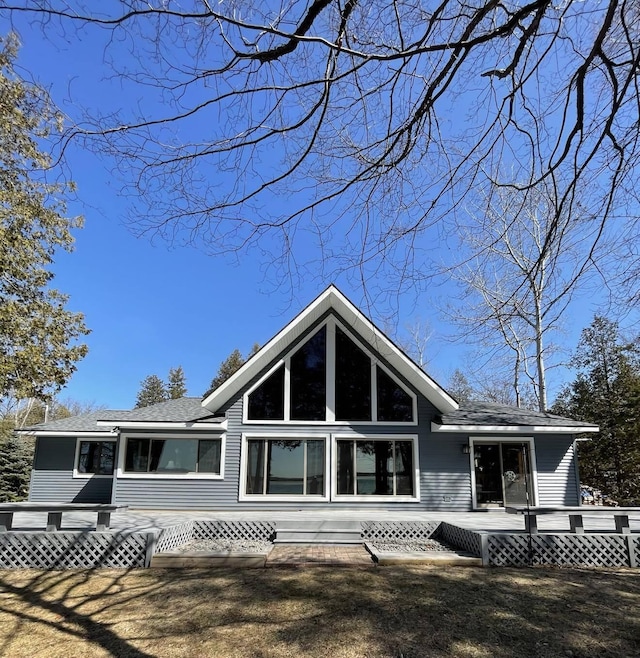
318, 611
54, 599
412, 611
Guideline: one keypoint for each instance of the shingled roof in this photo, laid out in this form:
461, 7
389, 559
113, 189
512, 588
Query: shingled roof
487, 414
182, 410
82, 423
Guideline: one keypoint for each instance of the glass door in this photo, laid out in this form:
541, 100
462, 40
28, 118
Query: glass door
488, 475
516, 476
502, 473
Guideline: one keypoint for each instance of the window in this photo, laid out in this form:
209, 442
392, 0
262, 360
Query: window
375, 467
353, 380
267, 401
394, 403
285, 467
330, 378
173, 456
309, 379
96, 457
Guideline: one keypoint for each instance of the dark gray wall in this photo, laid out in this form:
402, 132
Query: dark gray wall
52, 475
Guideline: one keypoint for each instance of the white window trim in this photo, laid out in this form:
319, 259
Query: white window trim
330, 323
243, 496
474, 440
375, 499
121, 473
109, 438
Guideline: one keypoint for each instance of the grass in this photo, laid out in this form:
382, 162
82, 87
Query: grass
399, 612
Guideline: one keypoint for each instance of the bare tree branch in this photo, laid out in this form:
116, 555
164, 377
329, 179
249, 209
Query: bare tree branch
362, 125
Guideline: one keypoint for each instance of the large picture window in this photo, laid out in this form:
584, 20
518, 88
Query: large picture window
330, 377
95, 457
375, 467
173, 456
285, 467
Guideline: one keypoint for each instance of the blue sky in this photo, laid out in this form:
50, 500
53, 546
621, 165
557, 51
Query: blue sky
152, 307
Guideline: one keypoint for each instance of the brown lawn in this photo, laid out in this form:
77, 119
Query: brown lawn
398, 612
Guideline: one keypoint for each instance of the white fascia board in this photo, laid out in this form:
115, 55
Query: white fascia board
381, 345
332, 298
74, 433
146, 425
268, 352
514, 429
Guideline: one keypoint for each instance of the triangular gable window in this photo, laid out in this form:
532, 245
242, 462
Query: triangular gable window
394, 403
330, 378
267, 401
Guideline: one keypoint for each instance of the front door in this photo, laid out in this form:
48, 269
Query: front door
502, 474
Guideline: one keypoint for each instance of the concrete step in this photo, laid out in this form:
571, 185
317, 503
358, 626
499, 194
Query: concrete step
317, 541
318, 536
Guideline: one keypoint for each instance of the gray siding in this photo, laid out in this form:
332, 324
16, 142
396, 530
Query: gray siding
445, 477
557, 476
444, 483
61, 487
445, 472
195, 494
52, 475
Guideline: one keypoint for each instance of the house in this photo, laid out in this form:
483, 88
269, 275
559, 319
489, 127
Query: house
330, 414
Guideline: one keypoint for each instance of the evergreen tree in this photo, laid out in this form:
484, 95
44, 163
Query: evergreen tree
233, 362
38, 335
177, 383
607, 392
16, 458
152, 390
460, 387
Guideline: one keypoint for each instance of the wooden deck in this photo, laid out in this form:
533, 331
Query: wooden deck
494, 520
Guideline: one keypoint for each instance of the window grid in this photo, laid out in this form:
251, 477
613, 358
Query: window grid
330, 411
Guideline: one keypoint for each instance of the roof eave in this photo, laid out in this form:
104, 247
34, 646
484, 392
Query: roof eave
70, 432
331, 298
516, 429
158, 425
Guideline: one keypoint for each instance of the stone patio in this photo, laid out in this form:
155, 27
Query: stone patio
329, 555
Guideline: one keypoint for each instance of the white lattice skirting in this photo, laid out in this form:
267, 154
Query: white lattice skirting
72, 550
398, 530
81, 550
170, 538
564, 550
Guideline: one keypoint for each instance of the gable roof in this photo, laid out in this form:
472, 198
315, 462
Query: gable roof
331, 300
486, 417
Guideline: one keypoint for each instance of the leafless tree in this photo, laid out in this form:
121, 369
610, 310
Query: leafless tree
372, 120
415, 341
518, 283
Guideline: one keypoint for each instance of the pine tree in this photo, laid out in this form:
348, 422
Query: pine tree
177, 384
228, 367
460, 387
16, 458
152, 390
607, 392
233, 362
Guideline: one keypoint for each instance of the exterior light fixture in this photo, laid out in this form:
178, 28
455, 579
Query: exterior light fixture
466, 449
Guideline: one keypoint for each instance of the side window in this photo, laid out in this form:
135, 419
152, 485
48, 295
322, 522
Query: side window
96, 457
